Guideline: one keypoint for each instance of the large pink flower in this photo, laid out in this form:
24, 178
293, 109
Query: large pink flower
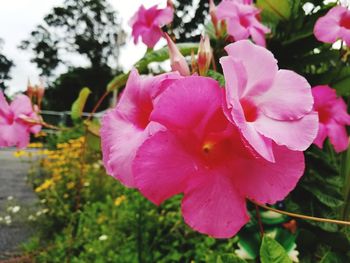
242, 20
334, 25
147, 23
267, 104
201, 154
127, 126
14, 129
333, 118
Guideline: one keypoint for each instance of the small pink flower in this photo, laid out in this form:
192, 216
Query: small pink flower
147, 23
200, 154
267, 104
242, 20
177, 60
334, 25
333, 116
125, 127
14, 129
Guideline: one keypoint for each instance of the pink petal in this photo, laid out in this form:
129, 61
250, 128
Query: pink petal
258, 37
235, 29
212, 204
321, 135
14, 135
21, 105
327, 28
120, 140
162, 166
252, 57
235, 78
339, 110
152, 37
267, 182
261, 144
323, 95
164, 16
289, 97
4, 106
296, 135
226, 9
198, 102
338, 136
136, 102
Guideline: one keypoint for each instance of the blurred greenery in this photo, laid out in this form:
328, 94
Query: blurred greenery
5, 67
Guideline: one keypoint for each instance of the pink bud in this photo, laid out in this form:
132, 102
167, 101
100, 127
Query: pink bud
214, 18
40, 93
30, 90
204, 55
177, 60
170, 4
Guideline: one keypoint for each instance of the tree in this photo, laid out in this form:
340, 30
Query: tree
5, 67
89, 28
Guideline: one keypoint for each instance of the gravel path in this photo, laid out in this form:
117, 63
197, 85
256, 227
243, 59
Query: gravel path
13, 172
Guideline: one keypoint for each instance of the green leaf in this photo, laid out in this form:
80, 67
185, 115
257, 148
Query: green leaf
217, 76
160, 55
272, 251
229, 258
275, 10
342, 82
331, 257
326, 195
79, 103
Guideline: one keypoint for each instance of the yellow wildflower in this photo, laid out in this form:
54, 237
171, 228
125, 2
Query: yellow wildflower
119, 200
44, 186
70, 185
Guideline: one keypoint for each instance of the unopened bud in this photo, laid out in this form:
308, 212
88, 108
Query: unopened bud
204, 55
30, 90
170, 4
40, 93
214, 18
177, 60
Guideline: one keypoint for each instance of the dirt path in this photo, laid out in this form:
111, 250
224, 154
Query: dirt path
13, 172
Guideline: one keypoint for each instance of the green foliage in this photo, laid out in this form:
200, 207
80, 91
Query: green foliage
5, 67
275, 10
79, 103
272, 251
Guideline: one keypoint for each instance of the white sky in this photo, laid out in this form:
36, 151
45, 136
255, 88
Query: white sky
19, 17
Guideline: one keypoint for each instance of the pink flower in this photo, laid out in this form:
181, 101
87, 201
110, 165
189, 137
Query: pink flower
267, 104
242, 21
333, 118
147, 23
127, 126
177, 60
201, 155
14, 129
334, 25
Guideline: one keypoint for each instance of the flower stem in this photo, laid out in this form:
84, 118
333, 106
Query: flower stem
98, 104
258, 217
305, 217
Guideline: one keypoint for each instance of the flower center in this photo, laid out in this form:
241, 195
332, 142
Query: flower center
144, 113
244, 21
345, 21
249, 109
324, 115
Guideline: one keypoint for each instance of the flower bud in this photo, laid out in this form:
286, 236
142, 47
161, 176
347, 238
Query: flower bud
177, 60
40, 93
204, 55
30, 90
214, 18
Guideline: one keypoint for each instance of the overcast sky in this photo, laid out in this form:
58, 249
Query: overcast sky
19, 17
